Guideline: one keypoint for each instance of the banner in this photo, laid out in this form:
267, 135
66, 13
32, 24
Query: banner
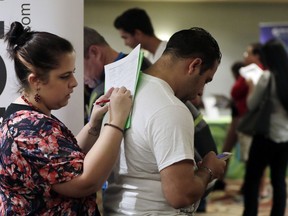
274, 30
61, 17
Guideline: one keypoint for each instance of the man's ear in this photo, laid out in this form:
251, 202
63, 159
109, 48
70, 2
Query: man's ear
93, 51
195, 64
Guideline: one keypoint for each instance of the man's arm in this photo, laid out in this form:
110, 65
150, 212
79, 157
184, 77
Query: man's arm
182, 186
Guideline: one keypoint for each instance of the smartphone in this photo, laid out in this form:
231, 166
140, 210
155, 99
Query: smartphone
224, 155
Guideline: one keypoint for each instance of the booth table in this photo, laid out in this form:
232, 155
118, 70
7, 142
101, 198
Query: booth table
219, 127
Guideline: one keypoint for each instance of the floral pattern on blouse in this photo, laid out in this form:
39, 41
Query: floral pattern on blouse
37, 151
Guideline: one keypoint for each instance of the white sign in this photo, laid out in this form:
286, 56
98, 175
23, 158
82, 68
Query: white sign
61, 17
252, 72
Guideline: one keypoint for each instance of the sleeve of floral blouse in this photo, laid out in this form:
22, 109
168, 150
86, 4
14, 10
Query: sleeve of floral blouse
50, 149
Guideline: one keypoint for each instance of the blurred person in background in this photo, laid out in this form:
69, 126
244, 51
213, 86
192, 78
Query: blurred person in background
97, 54
238, 107
134, 26
271, 150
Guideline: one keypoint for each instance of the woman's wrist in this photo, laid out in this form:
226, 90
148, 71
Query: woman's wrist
94, 129
115, 127
118, 123
95, 124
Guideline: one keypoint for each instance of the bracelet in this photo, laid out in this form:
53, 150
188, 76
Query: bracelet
209, 171
114, 126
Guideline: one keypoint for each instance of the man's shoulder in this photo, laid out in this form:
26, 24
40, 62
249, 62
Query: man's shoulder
145, 64
162, 46
158, 92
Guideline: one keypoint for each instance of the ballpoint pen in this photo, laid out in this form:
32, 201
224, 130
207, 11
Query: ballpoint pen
102, 101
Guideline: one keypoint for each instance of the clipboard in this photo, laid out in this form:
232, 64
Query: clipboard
125, 72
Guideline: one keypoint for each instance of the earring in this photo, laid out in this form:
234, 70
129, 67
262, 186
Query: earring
37, 97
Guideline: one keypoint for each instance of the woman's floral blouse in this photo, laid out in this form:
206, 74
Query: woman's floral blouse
37, 151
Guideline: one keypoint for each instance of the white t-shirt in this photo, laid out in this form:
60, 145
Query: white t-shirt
161, 133
160, 49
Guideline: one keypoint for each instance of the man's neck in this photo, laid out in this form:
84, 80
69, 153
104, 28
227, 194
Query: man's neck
163, 70
151, 44
111, 56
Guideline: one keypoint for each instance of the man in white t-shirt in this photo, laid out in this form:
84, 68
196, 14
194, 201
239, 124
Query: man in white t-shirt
156, 173
135, 26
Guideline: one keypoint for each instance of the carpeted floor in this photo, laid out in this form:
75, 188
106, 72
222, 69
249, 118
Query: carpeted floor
230, 202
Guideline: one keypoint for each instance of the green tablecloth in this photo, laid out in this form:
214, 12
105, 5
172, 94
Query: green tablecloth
219, 127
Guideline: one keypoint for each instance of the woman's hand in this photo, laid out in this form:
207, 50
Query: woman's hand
119, 106
99, 110
101, 157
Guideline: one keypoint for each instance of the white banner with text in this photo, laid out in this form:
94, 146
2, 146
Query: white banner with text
61, 17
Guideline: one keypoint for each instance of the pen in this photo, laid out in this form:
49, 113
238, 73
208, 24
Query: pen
102, 101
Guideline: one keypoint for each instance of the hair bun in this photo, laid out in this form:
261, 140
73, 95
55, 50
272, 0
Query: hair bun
16, 30
16, 36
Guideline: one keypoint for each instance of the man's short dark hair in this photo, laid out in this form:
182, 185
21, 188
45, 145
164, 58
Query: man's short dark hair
92, 37
195, 42
132, 19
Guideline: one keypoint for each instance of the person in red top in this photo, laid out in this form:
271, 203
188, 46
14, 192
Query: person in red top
239, 93
239, 90
238, 98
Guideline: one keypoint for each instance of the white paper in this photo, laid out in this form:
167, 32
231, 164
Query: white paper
123, 72
252, 72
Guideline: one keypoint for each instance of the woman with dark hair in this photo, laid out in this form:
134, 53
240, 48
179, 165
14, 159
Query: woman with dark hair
44, 169
270, 150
